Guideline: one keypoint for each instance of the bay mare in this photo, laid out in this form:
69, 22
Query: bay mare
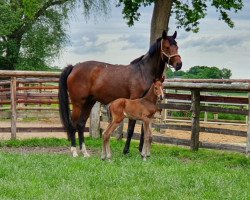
91, 81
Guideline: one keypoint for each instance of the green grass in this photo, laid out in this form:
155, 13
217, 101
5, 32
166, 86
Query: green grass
170, 173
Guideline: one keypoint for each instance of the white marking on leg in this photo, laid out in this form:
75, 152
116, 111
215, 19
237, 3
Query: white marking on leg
74, 151
143, 152
103, 155
84, 151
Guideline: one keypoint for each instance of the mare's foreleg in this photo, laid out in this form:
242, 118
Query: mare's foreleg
131, 127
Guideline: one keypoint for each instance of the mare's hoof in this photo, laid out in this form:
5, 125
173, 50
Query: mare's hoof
125, 151
74, 151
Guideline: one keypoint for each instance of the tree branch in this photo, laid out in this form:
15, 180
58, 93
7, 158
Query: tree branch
29, 21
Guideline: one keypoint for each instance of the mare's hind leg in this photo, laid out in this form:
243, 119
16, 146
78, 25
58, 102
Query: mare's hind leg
131, 127
80, 128
82, 123
76, 112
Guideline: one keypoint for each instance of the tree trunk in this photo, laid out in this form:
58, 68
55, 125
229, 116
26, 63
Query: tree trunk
12, 52
160, 18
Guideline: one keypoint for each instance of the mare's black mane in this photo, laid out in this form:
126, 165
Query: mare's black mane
137, 60
154, 47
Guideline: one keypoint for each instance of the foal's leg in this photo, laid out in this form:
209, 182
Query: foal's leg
131, 127
145, 148
76, 112
150, 138
141, 138
106, 151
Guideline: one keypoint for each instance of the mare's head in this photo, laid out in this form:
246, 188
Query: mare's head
158, 88
169, 50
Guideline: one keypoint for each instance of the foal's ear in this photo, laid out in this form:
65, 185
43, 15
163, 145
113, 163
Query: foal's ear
154, 80
164, 35
174, 35
162, 79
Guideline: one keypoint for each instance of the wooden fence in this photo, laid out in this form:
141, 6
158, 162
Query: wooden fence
21, 90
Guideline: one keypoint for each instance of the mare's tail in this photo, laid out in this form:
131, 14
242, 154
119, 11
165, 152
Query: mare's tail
64, 100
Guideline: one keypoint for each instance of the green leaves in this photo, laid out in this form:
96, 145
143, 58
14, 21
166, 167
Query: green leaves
201, 72
32, 31
187, 13
130, 9
9, 20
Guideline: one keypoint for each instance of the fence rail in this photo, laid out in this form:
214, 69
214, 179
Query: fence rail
22, 91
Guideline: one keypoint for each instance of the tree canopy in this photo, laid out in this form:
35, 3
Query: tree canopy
32, 32
201, 72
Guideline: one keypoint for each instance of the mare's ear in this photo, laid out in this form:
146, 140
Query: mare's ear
175, 34
162, 79
164, 35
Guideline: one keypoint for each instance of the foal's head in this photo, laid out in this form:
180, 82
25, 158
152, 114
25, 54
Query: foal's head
158, 88
169, 50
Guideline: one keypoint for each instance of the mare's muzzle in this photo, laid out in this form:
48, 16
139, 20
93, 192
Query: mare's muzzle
178, 66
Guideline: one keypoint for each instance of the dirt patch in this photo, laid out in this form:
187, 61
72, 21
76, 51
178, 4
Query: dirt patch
50, 150
204, 137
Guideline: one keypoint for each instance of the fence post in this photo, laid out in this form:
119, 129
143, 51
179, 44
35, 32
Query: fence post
248, 129
94, 129
13, 107
205, 113
195, 130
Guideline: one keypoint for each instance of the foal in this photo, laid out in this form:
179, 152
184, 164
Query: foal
137, 109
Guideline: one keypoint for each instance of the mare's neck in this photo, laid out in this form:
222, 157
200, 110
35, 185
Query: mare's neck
152, 66
150, 95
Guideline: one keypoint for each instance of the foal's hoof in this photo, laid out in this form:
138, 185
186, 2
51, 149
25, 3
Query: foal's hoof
85, 154
75, 155
103, 157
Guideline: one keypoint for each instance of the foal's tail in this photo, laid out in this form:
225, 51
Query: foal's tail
64, 100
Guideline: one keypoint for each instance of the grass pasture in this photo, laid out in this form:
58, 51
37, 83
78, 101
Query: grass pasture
170, 173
